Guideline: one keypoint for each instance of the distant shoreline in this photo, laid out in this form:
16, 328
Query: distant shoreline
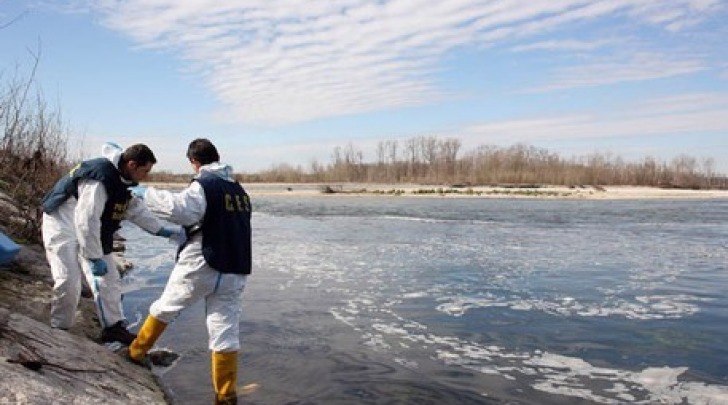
432, 191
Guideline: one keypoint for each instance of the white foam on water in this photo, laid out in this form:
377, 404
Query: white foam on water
375, 341
547, 372
560, 374
348, 320
436, 221
644, 307
417, 294
390, 329
572, 376
406, 363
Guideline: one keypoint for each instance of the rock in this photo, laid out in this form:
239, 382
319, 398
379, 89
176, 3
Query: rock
162, 357
39, 364
122, 265
25, 285
118, 246
25, 288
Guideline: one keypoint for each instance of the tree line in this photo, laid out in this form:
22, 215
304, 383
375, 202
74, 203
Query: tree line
429, 160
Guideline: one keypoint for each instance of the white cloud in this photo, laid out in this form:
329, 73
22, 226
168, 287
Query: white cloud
563, 45
684, 114
638, 67
686, 14
287, 61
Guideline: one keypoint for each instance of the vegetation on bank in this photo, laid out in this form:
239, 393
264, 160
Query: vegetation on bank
506, 190
33, 155
428, 160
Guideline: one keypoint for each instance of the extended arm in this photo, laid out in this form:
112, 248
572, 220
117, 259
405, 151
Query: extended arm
185, 208
138, 214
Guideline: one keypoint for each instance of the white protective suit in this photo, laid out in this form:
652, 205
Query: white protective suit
192, 278
72, 236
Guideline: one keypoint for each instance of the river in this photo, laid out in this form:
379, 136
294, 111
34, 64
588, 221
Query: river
387, 300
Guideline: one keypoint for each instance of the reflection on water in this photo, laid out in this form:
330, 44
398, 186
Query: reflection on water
386, 300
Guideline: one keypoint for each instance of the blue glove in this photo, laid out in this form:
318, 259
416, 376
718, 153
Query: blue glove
167, 232
98, 267
138, 191
179, 238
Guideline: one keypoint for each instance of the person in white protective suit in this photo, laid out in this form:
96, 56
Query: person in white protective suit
81, 213
212, 264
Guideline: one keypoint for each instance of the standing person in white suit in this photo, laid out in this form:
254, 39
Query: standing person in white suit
81, 213
213, 264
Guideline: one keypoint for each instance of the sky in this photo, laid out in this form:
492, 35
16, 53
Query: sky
287, 81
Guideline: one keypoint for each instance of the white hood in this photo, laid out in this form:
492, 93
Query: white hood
221, 170
112, 152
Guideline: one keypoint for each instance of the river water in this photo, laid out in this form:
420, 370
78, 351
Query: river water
386, 300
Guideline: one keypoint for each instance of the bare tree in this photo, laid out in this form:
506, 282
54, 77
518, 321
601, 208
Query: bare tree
428, 160
32, 155
449, 149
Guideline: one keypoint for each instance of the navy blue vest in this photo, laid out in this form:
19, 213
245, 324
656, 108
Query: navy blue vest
226, 234
102, 170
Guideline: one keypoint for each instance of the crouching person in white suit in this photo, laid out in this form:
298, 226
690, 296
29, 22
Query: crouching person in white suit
80, 216
213, 264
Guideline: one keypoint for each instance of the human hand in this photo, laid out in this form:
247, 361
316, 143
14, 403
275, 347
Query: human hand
168, 232
138, 191
98, 267
178, 238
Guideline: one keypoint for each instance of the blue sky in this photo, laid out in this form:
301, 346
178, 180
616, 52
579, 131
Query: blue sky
286, 81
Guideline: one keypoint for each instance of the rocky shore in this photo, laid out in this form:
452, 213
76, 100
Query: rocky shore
41, 365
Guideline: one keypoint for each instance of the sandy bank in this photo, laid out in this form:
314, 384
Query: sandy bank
434, 191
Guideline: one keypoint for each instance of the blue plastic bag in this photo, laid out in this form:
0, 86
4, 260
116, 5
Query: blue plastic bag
8, 249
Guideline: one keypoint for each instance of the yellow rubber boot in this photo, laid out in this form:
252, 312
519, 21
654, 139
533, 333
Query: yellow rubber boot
148, 334
225, 377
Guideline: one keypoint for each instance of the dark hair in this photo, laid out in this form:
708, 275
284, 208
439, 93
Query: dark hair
203, 151
139, 153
